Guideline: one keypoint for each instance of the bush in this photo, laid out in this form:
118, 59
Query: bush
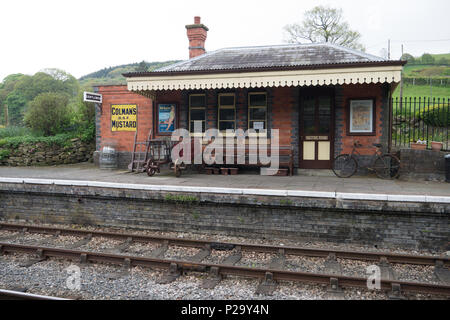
14, 131
4, 154
436, 116
59, 139
48, 113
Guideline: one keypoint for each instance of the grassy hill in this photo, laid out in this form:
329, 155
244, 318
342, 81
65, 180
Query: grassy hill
438, 74
113, 75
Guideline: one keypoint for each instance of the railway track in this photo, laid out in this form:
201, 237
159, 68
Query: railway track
18, 295
269, 276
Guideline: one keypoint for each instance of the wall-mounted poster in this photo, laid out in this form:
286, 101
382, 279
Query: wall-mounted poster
123, 117
361, 117
166, 117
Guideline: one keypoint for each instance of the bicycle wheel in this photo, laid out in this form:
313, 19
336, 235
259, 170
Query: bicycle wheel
344, 166
387, 166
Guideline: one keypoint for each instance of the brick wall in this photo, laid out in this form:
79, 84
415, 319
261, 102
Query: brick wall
422, 165
381, 223
343, 141
122, 139
282, 108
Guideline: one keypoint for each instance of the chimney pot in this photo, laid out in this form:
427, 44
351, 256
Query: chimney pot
197, 20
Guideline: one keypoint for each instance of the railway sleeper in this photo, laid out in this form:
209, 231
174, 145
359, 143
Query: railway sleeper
31, 261
173, 274
278, 262
396, 292
267, 286
386, 271
441, 272
80, 243
213, 278
123, 272
334, 291
232, 259
202, 254
20, 233
331, 264
123, 246
160, 251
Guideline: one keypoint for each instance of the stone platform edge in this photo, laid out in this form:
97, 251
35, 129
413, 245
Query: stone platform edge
236, 191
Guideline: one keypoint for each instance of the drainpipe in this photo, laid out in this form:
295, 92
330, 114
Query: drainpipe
390, 91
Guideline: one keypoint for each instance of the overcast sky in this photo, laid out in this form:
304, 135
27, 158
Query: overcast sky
84, 36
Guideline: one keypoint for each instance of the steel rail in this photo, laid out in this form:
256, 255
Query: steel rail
17, 295
318, 278
289, 250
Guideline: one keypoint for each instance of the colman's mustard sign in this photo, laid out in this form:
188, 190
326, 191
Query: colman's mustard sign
123, 117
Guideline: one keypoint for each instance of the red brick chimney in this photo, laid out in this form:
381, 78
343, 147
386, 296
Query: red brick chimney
196, 33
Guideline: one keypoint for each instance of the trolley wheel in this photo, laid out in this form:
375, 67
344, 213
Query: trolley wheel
150, 167
387, 166
344, 166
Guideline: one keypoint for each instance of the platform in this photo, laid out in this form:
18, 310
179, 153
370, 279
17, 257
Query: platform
363, 187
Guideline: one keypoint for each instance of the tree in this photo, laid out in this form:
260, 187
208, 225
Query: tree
142, 67
48, 113
408, 57
323, 24
427, 58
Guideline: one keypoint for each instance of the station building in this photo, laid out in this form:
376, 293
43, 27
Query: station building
322, 97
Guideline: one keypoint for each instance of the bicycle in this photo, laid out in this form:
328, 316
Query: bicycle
385, 165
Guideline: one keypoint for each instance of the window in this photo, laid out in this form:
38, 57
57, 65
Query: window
227, 112
197, 107
257, 111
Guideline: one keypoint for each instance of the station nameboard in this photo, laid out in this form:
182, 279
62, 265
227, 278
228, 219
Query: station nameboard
92, 97
123, 117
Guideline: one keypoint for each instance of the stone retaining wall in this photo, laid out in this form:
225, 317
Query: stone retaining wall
26, 154
381, 223
422, 165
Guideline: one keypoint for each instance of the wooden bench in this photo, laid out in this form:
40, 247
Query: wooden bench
236, 152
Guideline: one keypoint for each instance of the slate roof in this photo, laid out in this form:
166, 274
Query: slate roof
291, 56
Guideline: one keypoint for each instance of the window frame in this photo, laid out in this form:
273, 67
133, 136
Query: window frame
256, 107
219, 107
196, 108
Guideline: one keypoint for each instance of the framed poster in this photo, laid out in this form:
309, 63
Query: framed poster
123, 117
361, 117
167, 118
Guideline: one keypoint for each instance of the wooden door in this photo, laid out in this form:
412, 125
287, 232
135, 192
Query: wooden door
316, 128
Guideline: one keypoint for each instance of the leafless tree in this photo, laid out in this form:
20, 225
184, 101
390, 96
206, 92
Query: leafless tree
323, 24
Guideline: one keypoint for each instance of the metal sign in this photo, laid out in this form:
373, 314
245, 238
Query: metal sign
123, 117
92, 97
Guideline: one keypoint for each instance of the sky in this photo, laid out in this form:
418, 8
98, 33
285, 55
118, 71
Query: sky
82, 36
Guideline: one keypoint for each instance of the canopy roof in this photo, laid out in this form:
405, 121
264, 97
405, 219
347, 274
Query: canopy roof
267, 66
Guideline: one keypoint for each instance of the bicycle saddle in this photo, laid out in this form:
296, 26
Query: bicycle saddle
378, 145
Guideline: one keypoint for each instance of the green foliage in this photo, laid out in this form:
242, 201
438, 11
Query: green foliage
16, 104
113, 75
427, 58
59, 139
181, 198
408, 57
17, 90
48, 113
4, 154
141, 67
13, 131
435, 115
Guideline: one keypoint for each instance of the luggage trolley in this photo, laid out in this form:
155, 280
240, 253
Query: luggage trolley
160, 153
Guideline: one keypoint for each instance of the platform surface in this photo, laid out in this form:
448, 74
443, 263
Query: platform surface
305, 181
